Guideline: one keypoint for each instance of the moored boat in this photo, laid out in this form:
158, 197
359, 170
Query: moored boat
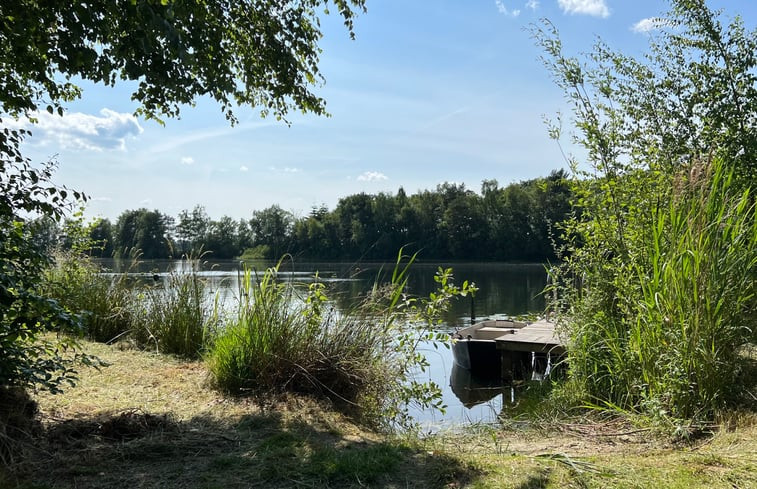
474, 348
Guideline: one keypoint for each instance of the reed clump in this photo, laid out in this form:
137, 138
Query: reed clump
661, 299
105, 301
174, 314
284, 338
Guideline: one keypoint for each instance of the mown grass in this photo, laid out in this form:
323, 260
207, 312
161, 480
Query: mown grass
151, 421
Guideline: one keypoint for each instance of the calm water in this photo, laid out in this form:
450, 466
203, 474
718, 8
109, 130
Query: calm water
504, 290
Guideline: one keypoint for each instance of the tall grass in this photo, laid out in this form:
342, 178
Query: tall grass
104, 301
174, 315
659, 318
282, 338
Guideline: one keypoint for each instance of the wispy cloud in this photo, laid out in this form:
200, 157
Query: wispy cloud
145, 202
243, 168
187, 160
532, 4
76, 130
504, 10
287, 169
649, 24
372, 176
100, 199
596, 8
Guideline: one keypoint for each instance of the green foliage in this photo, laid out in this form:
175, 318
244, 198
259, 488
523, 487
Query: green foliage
657, 288
364, 358
26, 357
173, 315
260, 53
143, 230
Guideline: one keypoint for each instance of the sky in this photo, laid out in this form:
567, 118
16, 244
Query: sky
428, 92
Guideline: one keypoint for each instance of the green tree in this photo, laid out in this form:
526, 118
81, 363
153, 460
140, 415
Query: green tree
101, 237
261, 53
272, 228
192, 229
222, 240
145, 231
356, 225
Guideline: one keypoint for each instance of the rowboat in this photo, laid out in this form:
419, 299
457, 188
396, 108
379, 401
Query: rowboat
474, 348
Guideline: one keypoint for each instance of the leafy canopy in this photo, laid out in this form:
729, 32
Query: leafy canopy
262, 53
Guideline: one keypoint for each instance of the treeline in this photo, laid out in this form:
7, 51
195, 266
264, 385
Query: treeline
513, 223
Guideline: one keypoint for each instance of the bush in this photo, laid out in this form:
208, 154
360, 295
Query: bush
104, 301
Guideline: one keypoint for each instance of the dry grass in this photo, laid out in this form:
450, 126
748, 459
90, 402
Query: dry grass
151, 421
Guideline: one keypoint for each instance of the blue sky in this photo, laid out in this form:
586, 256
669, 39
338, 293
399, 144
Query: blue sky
430, 91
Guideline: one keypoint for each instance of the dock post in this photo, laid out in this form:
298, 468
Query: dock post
507, 365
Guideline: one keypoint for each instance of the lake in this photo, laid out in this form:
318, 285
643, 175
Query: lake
504, 290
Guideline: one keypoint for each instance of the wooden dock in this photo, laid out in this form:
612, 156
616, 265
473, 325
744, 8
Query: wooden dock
520, 348
535, 337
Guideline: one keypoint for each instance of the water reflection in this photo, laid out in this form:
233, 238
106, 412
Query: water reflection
471, 390
504, 290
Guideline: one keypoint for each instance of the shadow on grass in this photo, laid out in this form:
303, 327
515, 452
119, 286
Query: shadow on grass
142, 450
536, 481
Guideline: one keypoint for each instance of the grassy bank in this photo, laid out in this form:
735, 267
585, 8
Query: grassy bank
149, 421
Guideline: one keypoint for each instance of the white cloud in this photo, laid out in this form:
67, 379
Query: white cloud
504, 10
532, 4
287, 169
76, 130
187, 160
597, 8
372, 176
101, 199
243, 168
145, 202
649, 24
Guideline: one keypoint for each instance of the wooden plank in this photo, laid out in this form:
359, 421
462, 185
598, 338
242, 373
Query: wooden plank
535, 337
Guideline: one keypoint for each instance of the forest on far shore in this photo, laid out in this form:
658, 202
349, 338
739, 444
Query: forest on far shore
519, 222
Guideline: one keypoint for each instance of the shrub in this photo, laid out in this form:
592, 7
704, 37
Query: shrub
105, 301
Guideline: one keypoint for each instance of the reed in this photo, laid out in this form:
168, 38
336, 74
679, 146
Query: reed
175, 315
104, 301
659, 319
283, 337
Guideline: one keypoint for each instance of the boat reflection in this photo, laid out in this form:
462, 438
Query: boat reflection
472, 390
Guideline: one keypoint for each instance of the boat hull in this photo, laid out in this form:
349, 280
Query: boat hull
481, 357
